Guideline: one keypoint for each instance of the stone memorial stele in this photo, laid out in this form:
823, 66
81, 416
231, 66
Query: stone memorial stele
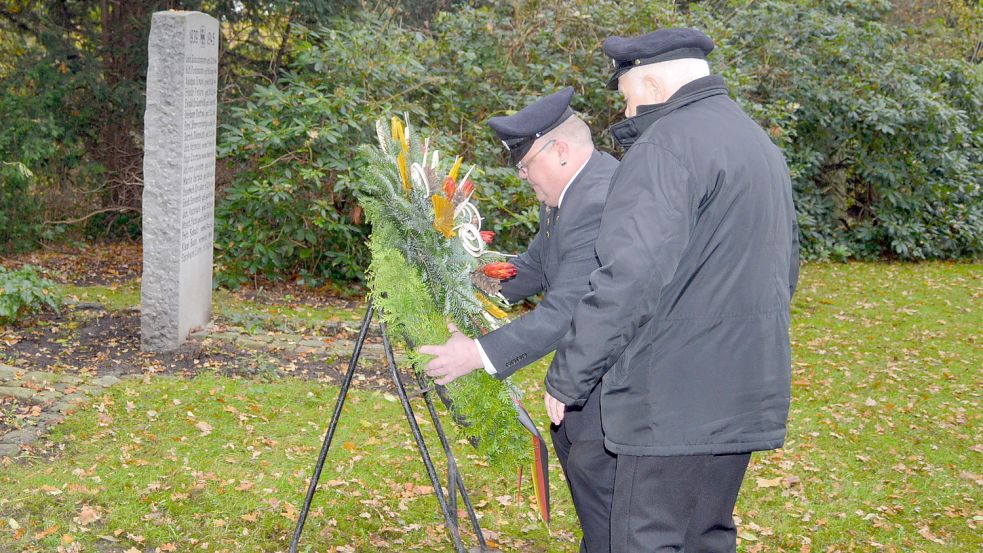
179, 177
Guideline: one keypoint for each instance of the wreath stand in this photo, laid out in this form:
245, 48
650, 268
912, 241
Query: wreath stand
448, 504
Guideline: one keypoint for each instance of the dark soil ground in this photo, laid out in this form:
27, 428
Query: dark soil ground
95, 342
89, 340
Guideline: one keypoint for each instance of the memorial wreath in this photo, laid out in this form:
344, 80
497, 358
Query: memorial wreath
431, 263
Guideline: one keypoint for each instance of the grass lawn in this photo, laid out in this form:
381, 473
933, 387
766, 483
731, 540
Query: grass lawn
884, 450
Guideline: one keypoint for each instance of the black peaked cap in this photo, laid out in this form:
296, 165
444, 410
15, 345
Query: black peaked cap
654, 47
519, 130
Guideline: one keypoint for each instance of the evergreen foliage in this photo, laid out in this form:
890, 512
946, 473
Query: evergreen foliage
483, 404
885, 146
418, 278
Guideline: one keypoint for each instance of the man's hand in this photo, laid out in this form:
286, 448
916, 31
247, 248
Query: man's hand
554, 409
458, 357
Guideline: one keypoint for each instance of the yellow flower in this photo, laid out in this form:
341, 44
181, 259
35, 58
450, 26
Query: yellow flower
490, 307
399, 134
404, 173
443, 215
457, 167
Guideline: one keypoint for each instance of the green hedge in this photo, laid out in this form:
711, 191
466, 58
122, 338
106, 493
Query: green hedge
884, 145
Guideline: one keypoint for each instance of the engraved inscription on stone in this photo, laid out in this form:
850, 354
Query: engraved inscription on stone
198, 184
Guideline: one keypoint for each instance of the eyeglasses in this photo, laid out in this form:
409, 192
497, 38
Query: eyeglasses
523, 166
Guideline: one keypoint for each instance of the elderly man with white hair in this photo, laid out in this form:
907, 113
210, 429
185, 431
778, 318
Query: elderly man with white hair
686, 324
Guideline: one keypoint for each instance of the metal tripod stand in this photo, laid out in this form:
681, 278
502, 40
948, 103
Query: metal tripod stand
455, 484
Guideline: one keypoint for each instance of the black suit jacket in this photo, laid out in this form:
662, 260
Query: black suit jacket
559, 261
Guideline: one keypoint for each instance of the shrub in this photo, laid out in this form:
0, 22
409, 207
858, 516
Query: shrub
290, 212
23, 292
884, 145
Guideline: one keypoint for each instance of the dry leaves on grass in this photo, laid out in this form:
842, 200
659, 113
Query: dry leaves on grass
88, 515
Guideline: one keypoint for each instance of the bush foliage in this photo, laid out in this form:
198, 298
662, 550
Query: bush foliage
882, 129
884, 145
23, 292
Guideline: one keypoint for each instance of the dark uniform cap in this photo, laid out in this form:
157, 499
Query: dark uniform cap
654, 47
518, 131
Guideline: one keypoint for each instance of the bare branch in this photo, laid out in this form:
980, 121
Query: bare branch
93, 214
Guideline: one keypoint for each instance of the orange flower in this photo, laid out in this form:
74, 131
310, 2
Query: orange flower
500, 270
443, 215
487, 236
467, 188
449, 187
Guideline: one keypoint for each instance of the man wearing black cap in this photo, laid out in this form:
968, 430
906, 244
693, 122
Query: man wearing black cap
686, 325
553, 151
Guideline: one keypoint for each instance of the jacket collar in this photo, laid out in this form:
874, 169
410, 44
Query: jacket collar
627, 132
570, 193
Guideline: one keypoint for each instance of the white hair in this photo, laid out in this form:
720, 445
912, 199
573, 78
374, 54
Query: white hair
574, 132
672, 74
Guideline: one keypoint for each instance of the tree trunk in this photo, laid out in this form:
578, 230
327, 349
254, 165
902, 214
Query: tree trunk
118, 143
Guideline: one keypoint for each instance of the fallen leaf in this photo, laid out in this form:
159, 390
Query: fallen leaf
45, 533
88, 515
769, 482
204, 428
245, 485
926, 533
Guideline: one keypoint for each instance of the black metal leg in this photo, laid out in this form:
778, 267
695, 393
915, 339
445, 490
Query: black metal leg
421, 444
454, 481
362, 332
452, 490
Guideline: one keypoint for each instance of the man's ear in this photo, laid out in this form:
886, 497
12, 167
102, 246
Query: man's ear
653, 90
562, 148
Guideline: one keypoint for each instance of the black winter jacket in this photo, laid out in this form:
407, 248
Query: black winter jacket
687, 320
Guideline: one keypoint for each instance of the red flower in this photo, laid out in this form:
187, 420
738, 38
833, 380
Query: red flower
467, 188
487, 236
500, 270
449, 187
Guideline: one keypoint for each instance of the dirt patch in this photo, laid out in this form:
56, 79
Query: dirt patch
96, 342
90, 340
97, 264
121, 263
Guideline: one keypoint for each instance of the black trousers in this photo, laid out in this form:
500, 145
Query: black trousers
676, 504
590, 471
